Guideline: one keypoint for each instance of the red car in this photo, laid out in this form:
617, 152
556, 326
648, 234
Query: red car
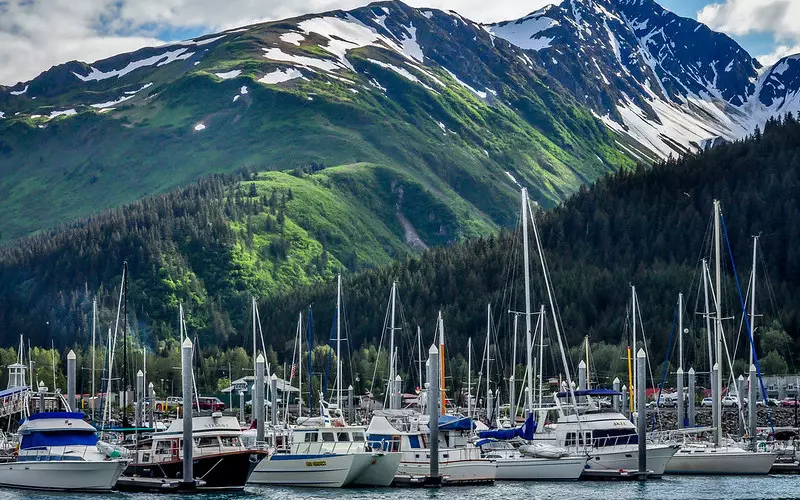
212, 404
789, 402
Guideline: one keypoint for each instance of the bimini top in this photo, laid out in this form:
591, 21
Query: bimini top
591, 392
56, 429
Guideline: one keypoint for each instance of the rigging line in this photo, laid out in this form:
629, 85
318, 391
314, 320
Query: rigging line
644, 343
744, 313
724, 344
380, 347
666, 366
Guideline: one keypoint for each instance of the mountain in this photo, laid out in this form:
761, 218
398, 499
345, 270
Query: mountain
669, 82
424, 92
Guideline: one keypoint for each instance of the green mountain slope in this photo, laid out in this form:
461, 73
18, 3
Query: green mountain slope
423, 92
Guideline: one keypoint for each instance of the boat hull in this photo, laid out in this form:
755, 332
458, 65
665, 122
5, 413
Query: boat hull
320, 471
225, 471
540, 469
62, 475
658, 456
472, 471
375, 469
720, 462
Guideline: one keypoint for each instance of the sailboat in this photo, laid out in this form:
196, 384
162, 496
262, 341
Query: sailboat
718, 456
607, 437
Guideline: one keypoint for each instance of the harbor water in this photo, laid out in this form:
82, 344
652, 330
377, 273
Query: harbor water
670, 487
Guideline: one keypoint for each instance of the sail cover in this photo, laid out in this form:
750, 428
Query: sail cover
525, 431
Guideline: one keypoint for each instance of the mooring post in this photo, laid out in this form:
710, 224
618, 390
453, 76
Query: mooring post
71, 361
433, 412
680, 402
615, 400
186, 381
258, 399
692, 398
273, 397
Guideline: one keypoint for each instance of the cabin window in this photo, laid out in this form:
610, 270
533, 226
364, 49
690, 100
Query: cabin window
413, 441
342, 436
614, 437
570, 439
207, 442
358, 436
311, 437
328, 437
163, 447
230, 441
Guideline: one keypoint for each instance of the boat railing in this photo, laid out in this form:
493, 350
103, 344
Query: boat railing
319, 448
51, 454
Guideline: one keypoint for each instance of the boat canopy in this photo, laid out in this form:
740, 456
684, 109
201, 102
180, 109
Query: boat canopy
76, 437
591, 392
454, 423
525, 431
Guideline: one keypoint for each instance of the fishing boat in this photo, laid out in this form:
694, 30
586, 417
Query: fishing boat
327, 457
221, 461
59, 451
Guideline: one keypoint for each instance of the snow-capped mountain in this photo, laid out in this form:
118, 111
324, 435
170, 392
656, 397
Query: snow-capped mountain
669, 82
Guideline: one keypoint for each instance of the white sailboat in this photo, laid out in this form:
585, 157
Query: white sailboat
718, 456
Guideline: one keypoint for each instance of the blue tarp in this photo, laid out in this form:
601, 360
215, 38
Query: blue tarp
13, 390
453, 423
525, 431
591, 392
58, 438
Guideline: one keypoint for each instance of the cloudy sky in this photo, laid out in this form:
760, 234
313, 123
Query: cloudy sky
36, 34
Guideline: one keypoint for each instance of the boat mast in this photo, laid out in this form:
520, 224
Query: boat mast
753, 303
94, 329
526, 265
633, 342
588, 371
441, 363
255, 346
707, 315
488, 361
717, 264
392, 360
680, 330
299, 363
541, 351
339, 342
469, 378
125, 345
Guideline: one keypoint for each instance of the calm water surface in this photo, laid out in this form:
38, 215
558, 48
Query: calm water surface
677, 488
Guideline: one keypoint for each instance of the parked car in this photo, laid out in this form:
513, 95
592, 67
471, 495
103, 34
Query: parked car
668, 401
707, 402
730, 401
788, 403
209, 403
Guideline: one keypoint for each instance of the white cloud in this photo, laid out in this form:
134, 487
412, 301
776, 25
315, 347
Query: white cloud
36, 34
779, 52
742, 17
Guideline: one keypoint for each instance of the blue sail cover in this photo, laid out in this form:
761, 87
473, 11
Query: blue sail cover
525, 431
59, 438
453, 423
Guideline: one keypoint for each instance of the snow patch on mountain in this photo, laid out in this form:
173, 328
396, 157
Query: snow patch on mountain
227, 75
157, 60
293, 38
280, 76
525, 32
478, 93
19, 92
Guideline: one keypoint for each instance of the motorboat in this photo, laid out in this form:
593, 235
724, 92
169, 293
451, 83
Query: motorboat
608, 438
326, 457
221, 461
59, 451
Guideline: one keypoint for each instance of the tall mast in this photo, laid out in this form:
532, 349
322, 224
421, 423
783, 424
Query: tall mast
392, 360
419, 359
339, 341
94, 329
526, 265
255, 346
441, 363
753, 303
125, 345
633, 342
488, 359
299, 363
718, 277
680, 330
541, 351
708, 316
469, 377
588, 371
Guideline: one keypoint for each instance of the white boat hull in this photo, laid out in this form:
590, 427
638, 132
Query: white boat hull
62, 475
540, 469
321, 471
375, 469
658, 456
452, 472
721, 461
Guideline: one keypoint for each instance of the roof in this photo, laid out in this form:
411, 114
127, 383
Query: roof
283, 385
